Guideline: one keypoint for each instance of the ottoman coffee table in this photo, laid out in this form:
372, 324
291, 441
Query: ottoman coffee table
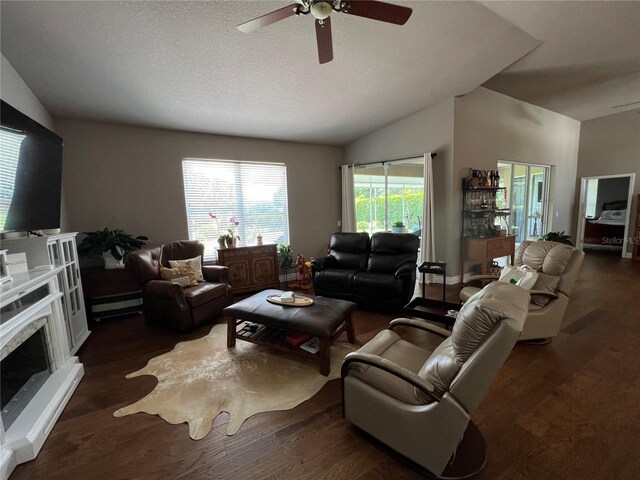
326, 319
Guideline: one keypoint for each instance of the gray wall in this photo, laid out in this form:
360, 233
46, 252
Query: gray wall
429, 130
611, 145
490, 126
131, 178
16, 93
477, 130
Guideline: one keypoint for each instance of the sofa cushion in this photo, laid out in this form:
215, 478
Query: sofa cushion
483, 312
387, 344
335, 280
195, 263
390, 250
351, 250
204, 292
184, 276
377, 285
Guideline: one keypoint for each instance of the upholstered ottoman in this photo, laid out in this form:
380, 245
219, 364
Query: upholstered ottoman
326, 319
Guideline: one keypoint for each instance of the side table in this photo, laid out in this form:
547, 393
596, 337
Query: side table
110, 293
436, 268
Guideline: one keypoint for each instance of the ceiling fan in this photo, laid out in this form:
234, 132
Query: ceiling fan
322, 9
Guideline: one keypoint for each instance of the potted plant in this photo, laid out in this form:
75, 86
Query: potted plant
399, 227
111, 244
285, 252
559, 237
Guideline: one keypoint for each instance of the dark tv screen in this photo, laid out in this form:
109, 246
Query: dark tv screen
30, 173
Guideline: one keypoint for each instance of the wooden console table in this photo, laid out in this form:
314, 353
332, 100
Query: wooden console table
251, 268
484, 250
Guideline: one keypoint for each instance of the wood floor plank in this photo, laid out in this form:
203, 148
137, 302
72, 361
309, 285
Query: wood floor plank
569, 409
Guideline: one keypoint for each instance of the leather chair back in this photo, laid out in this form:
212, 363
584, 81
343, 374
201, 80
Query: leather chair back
351, 250
552, 258
144, 264
391, 250
180, 250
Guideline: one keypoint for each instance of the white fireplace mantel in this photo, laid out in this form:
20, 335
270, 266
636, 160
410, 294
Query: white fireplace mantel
35, 297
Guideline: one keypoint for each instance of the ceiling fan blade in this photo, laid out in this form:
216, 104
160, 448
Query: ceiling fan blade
269, 18
323, 37
384, 12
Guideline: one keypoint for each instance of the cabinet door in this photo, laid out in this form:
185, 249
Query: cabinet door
263, 269
237, 261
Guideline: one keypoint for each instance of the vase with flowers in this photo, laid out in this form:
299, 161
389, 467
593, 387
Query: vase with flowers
222, 239
233, 222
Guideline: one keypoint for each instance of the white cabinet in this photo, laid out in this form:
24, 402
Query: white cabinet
59, 251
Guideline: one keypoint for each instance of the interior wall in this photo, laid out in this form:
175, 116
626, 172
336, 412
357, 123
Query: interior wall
611, 190
131, 178
16, 93
490, 126
608, 146
430, 130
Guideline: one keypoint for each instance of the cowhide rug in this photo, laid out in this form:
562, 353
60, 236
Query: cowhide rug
201, 378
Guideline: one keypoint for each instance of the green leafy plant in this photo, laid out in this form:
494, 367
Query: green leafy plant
559, 237
115, 241
399, 224
286, 254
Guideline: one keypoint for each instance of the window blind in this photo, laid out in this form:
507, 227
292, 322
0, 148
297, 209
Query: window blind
9, 155
254, 193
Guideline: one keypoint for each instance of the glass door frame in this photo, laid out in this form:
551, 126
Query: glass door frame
385, 166
547, 169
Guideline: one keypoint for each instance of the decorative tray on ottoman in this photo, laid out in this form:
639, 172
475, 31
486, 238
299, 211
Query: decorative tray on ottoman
298, 301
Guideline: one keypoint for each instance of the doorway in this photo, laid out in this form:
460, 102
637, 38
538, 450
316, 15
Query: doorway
604, 213
527, 194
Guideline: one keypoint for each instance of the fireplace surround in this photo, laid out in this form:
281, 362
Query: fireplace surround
39, 373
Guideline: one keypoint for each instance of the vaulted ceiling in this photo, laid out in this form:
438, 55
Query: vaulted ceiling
184, 65
588, 65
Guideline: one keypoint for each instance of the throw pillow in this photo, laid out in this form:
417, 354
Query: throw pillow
545, 283
523, 276
195, 262
184, 276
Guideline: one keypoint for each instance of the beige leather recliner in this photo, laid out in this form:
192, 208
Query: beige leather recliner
557, 265
420, 402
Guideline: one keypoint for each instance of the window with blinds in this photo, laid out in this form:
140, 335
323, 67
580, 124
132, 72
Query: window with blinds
255, 194
10, 142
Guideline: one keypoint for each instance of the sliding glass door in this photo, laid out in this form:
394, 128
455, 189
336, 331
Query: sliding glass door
389, 193
527, 197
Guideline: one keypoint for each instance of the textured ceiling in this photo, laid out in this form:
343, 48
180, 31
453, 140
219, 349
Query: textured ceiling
589, 61
184, 65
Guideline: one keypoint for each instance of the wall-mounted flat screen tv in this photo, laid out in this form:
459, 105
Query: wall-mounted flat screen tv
30, 173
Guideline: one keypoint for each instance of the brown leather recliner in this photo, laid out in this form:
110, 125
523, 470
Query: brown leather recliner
170, 305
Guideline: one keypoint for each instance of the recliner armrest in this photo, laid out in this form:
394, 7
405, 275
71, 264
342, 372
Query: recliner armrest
420, 324
388, 366
480, 277
405, 269
215, 273
319, 264
165, 288
544, 293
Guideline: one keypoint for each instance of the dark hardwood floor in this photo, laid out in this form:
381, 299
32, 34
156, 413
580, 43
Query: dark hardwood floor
566, 410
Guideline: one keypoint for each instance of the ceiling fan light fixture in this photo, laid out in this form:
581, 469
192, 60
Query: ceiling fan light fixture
321, 9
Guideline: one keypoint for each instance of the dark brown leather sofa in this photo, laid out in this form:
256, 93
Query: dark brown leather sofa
170, 305
378, 273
